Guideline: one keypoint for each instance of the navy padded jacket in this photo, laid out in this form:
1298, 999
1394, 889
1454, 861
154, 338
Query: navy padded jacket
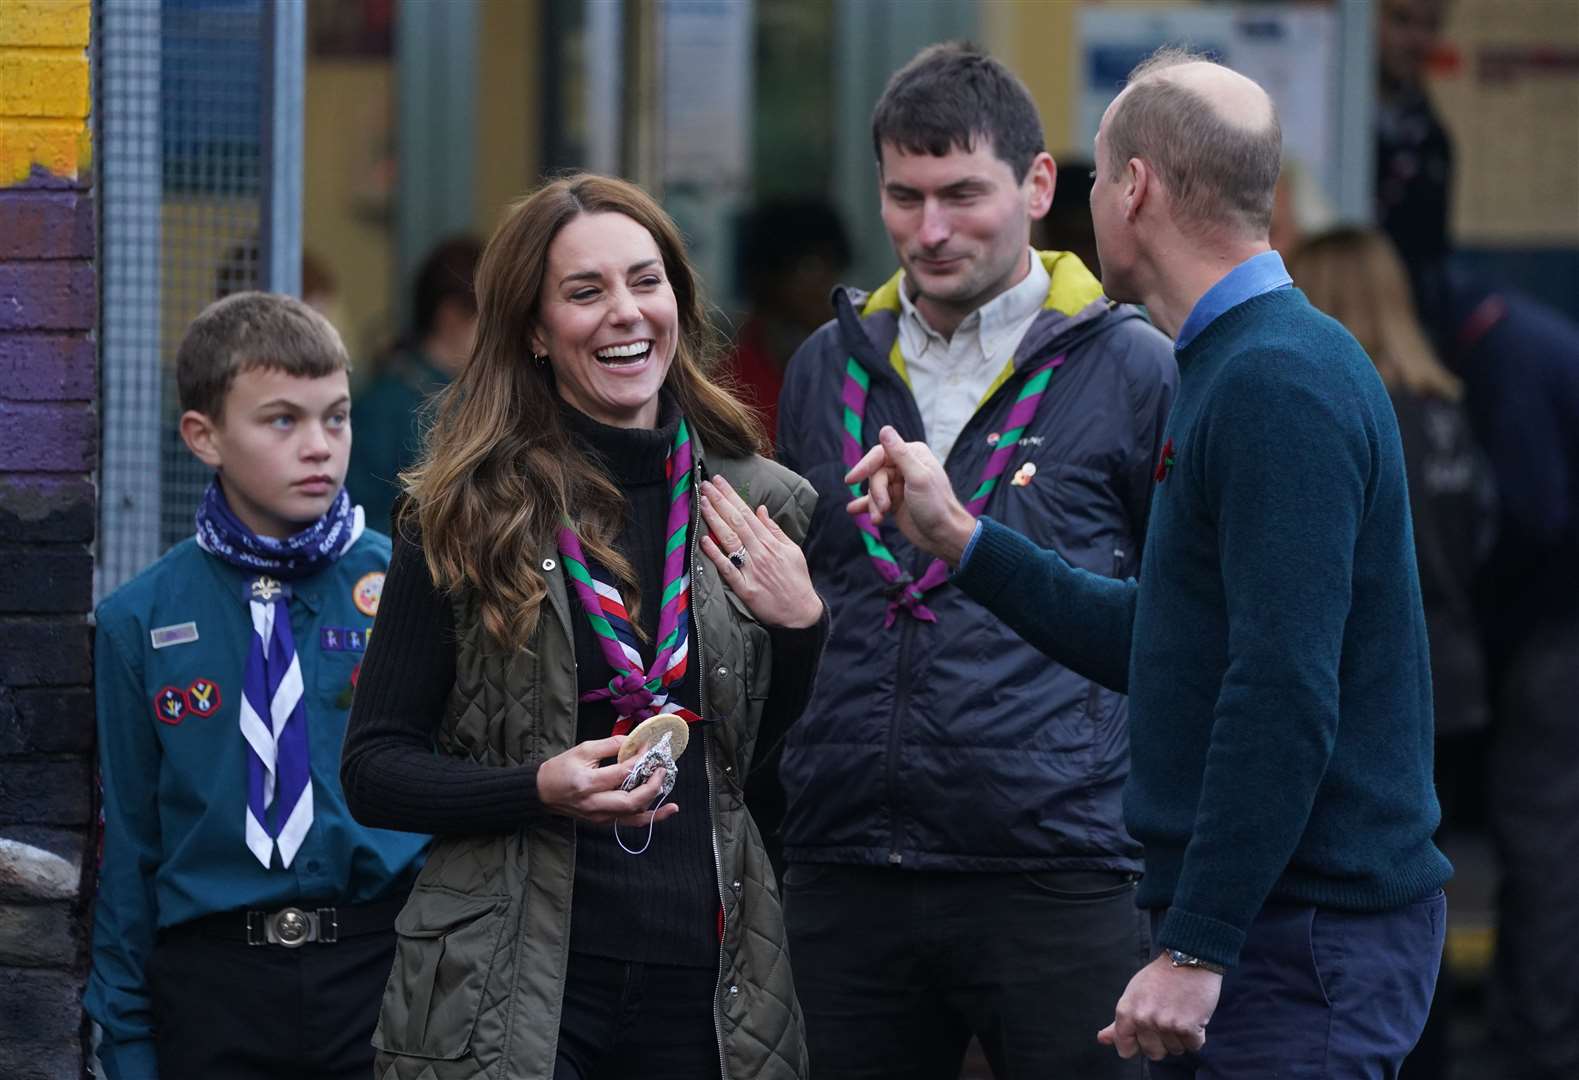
956, 745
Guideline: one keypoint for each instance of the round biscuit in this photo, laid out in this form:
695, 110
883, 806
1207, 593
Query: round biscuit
650, 730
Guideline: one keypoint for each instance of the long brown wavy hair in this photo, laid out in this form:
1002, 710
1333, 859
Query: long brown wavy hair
500, 471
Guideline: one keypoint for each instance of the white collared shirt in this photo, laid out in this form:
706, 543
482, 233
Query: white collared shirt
949, 378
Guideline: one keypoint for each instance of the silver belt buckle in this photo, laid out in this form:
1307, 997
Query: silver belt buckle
291, 927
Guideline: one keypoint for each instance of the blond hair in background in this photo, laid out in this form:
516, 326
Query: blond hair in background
1300, 208
1355, 276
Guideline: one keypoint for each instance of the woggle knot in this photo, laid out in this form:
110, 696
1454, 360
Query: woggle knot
631, 697
909, 602
628, 683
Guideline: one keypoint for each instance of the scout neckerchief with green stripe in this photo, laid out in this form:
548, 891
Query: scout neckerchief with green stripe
907, 592
637, 691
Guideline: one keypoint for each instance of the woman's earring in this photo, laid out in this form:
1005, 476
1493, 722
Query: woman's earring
539, 358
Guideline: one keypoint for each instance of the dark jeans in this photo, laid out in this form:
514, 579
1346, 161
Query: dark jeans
623, 1020
1321, 994
244, 1012
896, 969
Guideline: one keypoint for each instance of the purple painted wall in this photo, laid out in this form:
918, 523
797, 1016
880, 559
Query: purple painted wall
48, 514
48, 454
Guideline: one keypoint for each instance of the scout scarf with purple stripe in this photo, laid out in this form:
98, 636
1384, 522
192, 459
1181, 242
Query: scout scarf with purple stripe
273, 706
637, 691
906, 592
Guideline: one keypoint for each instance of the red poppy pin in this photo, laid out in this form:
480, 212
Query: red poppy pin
1164, 462
344, 700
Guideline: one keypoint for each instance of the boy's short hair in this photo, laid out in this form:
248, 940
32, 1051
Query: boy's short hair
248, 330
949, 97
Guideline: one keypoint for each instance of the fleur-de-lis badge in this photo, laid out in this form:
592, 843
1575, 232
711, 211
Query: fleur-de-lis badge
265, 589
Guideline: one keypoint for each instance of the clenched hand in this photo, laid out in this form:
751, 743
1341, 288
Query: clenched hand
1164, 1010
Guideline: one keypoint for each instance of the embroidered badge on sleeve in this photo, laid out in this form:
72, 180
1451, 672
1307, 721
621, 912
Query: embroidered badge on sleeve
367, 591
170, 705
202, 697
344, 638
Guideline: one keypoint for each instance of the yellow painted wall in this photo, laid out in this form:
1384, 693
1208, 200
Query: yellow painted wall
44, 95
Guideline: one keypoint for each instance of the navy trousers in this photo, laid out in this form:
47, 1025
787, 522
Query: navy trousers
1320, 994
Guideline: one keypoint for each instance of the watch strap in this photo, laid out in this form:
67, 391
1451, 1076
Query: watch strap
1185, 960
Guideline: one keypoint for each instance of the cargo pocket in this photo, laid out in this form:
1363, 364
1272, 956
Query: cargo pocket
444, 950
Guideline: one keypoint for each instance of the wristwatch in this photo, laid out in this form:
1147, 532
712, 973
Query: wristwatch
1185, 960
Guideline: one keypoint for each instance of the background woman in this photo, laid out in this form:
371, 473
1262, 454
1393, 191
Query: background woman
547, 591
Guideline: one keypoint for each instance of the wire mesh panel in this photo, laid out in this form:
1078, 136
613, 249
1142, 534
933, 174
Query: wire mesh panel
184, 115
211, 88
126, 115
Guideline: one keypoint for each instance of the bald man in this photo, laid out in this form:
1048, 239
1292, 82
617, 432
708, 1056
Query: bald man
1273, 646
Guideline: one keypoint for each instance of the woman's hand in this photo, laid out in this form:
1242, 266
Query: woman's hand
577, 784
764, 567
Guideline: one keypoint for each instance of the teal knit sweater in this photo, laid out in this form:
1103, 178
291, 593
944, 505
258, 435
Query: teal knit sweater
1274, 647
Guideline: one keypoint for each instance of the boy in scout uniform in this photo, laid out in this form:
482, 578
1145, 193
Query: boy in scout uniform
244, 921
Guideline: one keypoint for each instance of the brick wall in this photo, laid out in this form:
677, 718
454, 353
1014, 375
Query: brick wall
48, 453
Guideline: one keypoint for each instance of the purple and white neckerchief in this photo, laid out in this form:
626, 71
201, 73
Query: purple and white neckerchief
273, 705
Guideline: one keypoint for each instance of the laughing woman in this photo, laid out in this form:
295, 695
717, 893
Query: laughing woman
590, 540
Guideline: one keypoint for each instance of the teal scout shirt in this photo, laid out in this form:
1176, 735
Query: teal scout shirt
170, 650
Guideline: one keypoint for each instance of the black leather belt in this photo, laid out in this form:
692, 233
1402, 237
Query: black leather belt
293, 927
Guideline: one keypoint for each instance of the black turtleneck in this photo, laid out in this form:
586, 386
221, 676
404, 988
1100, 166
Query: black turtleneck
658, 907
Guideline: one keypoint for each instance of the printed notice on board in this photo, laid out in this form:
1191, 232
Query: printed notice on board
1505, 79
1291, 51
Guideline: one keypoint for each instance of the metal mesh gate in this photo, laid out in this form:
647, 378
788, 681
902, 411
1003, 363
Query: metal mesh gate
198, 198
